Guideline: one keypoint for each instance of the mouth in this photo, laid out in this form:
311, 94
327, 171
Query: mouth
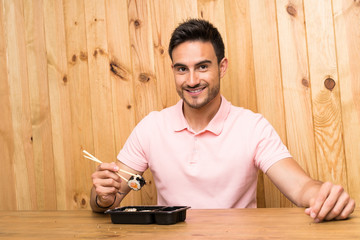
194, 92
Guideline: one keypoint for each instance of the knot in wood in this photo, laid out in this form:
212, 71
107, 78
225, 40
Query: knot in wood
118, 70
83, 56
65, 79
291, 10
73, 59
143, 77
98, 50
305, 82
329, 83
137, 23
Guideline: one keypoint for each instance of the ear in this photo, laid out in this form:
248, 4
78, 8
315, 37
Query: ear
223, 66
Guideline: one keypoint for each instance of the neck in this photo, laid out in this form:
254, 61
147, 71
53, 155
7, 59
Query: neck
198, 119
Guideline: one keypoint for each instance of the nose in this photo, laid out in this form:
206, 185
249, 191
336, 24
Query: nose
193, 79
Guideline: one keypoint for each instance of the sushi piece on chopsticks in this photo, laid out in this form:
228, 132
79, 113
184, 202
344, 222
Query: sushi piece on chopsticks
135, 182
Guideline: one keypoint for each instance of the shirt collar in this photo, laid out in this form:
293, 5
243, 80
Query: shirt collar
215, 125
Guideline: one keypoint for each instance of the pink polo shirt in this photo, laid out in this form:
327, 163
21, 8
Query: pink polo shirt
214, 168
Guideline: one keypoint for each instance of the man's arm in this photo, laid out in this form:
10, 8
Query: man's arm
324, 201
108, 188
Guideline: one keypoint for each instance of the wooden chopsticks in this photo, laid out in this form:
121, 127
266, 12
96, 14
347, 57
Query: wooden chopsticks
91, 157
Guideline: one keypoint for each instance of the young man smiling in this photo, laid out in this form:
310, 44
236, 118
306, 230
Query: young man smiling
205, 152
197, 74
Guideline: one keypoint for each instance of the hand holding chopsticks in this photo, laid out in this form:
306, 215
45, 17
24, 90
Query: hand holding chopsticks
135, 182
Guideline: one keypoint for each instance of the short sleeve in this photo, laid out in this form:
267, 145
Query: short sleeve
133, 154
269, 147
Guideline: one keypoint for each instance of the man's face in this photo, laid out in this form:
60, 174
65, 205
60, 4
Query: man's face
197, 73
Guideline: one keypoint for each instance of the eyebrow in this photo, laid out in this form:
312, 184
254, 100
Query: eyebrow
196, 64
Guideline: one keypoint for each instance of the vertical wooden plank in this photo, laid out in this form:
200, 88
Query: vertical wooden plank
325, 91
143, 73
14, 25
296, 84
121, 78
78, 169
240, 86
118, 41
59, 98
99, 78
7, 177
269, 92
347, 35
39, 104
184, 10
163, 23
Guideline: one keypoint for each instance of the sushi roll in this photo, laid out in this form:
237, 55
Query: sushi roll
136, 182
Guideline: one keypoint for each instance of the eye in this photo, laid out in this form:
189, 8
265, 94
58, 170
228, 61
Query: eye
181, 69
203, 67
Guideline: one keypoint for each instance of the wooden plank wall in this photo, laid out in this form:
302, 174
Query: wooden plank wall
79, 74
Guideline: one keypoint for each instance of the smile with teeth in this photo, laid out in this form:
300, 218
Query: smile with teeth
195, 90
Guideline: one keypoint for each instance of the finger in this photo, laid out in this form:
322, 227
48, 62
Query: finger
320, 199
105, 191
107, 182
349, 208
308, 210
104, 174
329, 203
339, 206
108, 166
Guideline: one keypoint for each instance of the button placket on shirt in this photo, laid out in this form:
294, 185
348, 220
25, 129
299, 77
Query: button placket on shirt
195, 153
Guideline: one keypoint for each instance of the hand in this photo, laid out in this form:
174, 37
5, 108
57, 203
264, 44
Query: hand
332, 202
106, 183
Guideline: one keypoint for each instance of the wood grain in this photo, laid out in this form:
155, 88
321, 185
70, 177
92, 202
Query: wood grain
146, 98
240, 87
163, 23
7, 177
59, 97
270, 101
23, 153
285, 223
296, 84
347, 36
39, 105
79, 74
325, 92
81, 128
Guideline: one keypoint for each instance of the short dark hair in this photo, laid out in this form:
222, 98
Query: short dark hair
197, 29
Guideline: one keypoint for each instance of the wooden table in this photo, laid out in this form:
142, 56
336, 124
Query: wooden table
262, 223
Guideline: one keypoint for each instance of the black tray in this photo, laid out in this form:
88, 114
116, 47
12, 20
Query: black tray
163, 215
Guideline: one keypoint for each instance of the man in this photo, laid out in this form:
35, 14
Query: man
204, 152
